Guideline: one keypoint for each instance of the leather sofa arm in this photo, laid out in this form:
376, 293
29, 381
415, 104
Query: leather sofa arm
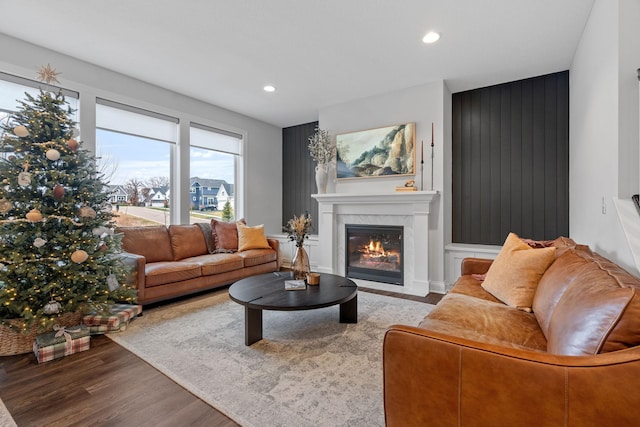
436, 379
137, 265
475, 266
275, 245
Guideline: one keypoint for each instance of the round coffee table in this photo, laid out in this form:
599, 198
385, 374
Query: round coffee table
267, 292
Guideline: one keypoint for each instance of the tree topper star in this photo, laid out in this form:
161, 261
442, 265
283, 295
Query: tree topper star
48, 75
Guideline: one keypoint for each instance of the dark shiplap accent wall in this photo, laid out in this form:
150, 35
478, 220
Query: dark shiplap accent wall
298, 174
511, 161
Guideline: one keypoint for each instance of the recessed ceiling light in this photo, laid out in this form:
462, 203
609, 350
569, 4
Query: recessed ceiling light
269, 88
431, 37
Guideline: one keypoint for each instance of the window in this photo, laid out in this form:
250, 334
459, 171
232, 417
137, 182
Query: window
134, 149
137, 153
13, 88
214, 156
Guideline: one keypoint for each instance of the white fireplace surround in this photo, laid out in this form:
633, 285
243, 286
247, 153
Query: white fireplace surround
408, 209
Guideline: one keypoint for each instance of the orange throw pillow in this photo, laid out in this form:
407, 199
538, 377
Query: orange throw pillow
514, 275
251, 237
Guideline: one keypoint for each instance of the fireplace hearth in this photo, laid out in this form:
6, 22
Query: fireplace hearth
374, 252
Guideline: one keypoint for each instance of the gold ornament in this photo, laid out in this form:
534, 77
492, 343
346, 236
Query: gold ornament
48, 74
21, 131
5, 205
24, 179
34, 215
52, 154
87, 212
79, 256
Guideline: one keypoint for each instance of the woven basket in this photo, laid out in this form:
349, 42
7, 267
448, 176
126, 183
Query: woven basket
13, 342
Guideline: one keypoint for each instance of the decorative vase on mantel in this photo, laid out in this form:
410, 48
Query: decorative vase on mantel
321, 178
300, 264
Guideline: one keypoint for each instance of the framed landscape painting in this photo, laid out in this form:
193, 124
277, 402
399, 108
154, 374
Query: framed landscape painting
386, 151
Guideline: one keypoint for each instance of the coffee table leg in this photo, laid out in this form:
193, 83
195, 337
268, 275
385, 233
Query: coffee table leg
349, 311
252, 325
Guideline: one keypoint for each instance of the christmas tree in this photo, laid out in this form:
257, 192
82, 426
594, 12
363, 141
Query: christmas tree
58, 253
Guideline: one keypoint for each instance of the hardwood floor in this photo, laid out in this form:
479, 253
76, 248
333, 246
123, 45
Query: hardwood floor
107, 386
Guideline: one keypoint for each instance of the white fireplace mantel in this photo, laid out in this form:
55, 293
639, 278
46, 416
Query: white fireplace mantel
377, 198
409, 209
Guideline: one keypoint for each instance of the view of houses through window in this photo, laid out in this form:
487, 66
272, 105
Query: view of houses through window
135, 154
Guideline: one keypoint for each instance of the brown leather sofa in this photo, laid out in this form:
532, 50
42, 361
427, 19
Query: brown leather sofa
474, 361
174, 261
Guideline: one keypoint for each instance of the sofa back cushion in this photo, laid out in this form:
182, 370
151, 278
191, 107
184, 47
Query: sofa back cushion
187, 241
151, 242
553, 284
598, 312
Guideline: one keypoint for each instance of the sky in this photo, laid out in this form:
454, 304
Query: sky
123, 157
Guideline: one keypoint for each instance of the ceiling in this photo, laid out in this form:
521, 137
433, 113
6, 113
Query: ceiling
317, 53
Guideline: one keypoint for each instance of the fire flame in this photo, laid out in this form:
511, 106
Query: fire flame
376, 248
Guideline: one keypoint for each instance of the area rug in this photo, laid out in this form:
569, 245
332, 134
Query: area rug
308, 370
6, 420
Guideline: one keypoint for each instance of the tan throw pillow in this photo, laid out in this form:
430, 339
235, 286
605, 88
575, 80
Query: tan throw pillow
514, 275
225, 236
251, 237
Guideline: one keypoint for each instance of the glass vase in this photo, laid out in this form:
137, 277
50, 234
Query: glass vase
300, 264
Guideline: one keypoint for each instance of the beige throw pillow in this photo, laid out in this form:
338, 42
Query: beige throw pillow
514, 275
251, 237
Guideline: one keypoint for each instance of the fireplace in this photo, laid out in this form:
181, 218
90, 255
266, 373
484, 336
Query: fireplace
374, 252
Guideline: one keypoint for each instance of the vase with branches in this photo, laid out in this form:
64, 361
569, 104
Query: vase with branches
297, 230
323, 152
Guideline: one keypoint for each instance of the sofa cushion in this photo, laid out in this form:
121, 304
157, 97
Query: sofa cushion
187, 241
258, 256
225, 235
205, 227
553, 284
514, 274
251, 237
468, 285
217, 263
480, 320
151, 242
599, 312
162, 273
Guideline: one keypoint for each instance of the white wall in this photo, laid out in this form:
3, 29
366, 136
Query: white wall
423, 105
603, 124
262, 169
